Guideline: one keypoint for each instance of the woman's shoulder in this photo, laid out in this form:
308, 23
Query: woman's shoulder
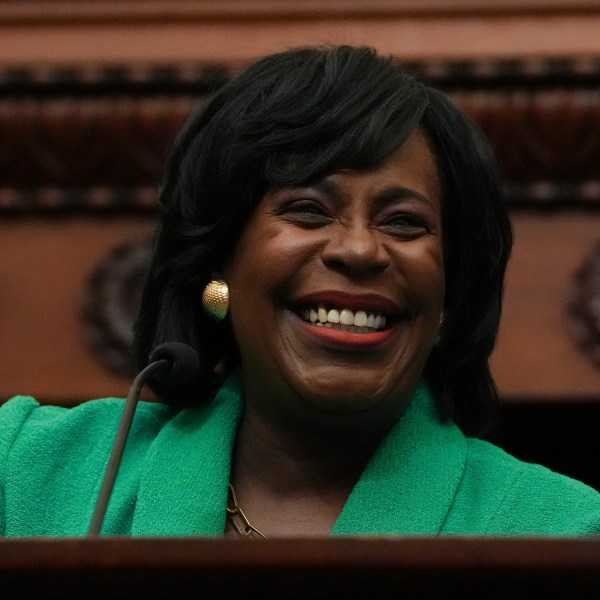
24, 421
485, 455
526, 498
52, 459
21, 408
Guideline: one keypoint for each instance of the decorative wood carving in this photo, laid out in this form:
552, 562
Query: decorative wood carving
584, 307
110, 303
91, 140
95, 139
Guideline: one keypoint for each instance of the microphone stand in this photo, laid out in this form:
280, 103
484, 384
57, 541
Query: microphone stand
119, 443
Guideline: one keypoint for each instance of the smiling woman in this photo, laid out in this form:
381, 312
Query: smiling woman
304, 134
353, 246
332, 243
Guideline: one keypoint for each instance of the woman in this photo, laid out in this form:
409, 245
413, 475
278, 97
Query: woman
345, 228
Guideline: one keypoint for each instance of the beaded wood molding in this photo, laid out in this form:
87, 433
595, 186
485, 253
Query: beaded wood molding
94, 139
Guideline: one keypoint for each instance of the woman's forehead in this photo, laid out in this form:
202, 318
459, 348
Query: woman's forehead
410, 161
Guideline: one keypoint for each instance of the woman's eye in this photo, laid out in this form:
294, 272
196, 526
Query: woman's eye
406, 225
306, 212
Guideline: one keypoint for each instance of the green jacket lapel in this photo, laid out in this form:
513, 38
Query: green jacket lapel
183, 490
407, 488
410, 483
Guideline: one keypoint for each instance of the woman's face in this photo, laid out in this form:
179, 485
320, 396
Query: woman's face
337, 290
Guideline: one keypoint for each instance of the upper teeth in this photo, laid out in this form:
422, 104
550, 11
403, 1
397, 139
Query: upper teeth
345, 316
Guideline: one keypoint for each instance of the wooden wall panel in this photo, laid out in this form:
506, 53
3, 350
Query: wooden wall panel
45, 268
537, 355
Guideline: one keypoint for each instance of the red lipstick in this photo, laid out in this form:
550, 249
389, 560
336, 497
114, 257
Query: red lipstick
338, 339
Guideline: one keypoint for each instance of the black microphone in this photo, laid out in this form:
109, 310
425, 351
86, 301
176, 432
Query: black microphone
172, 363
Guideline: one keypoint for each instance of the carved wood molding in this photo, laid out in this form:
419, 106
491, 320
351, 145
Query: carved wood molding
95, 139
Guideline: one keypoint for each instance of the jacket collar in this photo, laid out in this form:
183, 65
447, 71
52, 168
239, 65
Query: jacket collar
406, 489
410, 482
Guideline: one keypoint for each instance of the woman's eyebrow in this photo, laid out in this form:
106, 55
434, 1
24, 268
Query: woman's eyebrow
391, 194
400, 193
325, 185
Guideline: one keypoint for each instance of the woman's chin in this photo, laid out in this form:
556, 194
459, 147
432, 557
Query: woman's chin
342, 405
349, 394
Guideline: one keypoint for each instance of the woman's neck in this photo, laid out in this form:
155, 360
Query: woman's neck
294, 484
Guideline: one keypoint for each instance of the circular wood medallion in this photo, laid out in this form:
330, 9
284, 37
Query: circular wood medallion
584, 306
110, 303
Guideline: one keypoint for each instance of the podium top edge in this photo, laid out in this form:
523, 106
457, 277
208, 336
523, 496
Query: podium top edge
379, 553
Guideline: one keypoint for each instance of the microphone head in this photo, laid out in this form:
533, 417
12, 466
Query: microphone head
184, 364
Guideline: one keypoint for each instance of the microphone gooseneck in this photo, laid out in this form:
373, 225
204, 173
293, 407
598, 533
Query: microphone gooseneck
172, 363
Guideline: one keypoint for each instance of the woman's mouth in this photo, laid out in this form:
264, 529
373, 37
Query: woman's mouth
344, 319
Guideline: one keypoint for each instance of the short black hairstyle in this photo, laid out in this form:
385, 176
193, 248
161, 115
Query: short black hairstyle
296, 116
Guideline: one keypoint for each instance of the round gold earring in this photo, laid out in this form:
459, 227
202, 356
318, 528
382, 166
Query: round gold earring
215, 299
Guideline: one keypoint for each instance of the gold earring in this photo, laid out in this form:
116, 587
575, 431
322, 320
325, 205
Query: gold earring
215, 299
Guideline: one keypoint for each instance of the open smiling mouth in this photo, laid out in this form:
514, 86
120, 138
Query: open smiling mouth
344, 319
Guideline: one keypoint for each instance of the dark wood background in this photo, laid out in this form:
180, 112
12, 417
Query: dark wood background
93, 92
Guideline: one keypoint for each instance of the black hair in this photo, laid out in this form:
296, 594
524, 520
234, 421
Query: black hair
294, 117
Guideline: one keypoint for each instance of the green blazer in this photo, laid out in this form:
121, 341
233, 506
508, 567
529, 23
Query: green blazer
426, 478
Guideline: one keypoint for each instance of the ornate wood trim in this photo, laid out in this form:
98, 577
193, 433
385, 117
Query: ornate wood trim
94, 139
584, 306
110, 300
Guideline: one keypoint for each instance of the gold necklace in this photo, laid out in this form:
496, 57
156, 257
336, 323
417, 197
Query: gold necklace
235, 514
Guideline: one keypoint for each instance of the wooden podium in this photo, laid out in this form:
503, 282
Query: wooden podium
406, 568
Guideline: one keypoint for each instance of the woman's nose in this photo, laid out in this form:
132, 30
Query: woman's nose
355, 249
